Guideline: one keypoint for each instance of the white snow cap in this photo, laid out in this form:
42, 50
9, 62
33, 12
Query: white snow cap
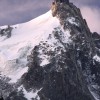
14, 50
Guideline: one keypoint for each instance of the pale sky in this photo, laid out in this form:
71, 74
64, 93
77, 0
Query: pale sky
19, 11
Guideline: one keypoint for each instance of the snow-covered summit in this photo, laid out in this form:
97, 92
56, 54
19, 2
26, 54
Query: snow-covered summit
32, 29
52, 57
14, 50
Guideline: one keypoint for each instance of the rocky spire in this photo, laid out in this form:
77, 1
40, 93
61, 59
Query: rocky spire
57, 5
61, 1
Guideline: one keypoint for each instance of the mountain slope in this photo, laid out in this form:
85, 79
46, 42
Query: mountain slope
52, 57
24, 37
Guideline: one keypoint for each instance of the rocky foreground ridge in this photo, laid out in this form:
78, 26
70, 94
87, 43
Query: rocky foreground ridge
64, 66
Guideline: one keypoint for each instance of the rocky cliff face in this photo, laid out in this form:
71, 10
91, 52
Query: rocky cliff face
64, 66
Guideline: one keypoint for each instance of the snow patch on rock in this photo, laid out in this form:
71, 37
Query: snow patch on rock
31, 94
97, 58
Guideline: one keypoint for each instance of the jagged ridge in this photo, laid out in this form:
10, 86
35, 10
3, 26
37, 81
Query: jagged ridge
62, 66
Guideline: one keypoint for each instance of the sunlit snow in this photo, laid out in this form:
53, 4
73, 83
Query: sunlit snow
14, 50
97, 58
29, 95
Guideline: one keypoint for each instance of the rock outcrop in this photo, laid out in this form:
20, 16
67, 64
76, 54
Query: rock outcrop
69, 75
6, 32
61, 1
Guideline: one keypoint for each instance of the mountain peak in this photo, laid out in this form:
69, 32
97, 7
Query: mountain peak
58, 58
61, 1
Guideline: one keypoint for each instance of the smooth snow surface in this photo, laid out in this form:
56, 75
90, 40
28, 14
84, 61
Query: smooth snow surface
14, 50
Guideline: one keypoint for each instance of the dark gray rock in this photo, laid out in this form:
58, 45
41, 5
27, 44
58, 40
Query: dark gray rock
1, 98
61, 1
6, 32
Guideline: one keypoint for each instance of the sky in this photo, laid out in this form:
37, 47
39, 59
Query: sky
19, 11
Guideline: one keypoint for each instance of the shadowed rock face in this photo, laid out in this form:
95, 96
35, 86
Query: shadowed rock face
73, 68
1, 99
69, 75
